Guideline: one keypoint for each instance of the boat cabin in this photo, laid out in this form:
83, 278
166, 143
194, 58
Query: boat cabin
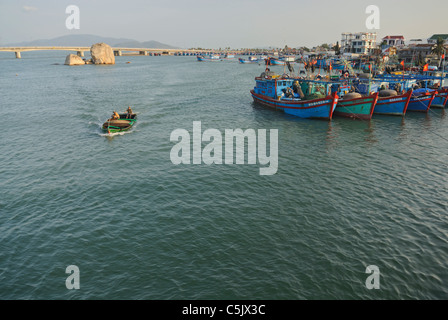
284, 89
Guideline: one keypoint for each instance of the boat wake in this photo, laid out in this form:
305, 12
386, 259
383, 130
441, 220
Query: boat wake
99, 130
111, 135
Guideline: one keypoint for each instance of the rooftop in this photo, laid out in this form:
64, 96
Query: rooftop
436, 36
393, 37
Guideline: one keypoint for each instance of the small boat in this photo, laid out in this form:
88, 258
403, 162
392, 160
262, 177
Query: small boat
287, 58
421, 100
228, 56
241, 60
277, 62
250, 60
210, 57
441, 99
393, 104
353, 105
124, 123
276, 92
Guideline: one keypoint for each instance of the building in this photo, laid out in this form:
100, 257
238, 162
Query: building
359, 43
393, 41
411, 54
433, 39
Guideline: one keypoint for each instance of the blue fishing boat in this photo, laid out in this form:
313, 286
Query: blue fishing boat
421, 100
393, 105
228, 56
211, 57
250, 60
277, 62
441, 99
279, 93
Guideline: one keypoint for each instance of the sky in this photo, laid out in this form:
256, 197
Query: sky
221, 23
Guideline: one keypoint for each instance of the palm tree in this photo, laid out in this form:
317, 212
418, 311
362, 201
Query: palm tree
439, 48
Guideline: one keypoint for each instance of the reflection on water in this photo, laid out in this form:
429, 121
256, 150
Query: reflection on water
332, 136
427, 122
370, 138
403, 134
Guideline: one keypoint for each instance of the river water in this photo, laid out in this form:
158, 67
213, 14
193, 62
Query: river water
347, 194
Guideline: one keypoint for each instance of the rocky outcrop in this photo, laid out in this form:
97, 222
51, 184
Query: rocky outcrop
102, 54
73, 60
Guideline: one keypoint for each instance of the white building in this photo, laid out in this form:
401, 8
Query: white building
360, 43
394, 41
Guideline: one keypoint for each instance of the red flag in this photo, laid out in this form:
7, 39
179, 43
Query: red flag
443, 56
425, 68
331, 67
402, 63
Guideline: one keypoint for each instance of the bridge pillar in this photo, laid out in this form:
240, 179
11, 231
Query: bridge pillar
117, 53
80, 53
18, 56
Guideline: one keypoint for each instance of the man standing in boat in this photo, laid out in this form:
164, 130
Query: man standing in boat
129, 113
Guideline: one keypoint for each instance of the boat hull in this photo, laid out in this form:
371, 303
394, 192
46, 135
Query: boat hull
123, 124
277, 62
247, 61
421, 103
396, 105
441, 99
312, 109
359, 108
202, 59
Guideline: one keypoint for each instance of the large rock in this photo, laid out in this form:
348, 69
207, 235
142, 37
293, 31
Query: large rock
73, 60
102, 54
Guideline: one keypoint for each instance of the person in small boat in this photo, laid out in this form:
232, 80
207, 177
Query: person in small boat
129, 112
115, 116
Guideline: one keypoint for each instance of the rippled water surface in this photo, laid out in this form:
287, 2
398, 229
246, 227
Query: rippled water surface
347, 194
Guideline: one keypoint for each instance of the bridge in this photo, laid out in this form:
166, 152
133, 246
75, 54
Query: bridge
117, 51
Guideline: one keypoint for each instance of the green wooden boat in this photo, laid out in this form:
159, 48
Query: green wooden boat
126, 121
357, 108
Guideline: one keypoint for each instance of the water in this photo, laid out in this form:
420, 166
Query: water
347, 194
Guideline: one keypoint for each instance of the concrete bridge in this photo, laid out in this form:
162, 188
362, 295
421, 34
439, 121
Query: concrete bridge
117, 51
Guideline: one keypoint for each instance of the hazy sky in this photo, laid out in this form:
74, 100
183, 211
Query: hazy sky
221, 23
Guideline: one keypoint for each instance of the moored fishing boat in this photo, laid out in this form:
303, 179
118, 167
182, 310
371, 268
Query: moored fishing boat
211, 57
278, 93
441, 99
120, 122
228, 56
250, 60
355, 106
421, 100
277, 62
393, 104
